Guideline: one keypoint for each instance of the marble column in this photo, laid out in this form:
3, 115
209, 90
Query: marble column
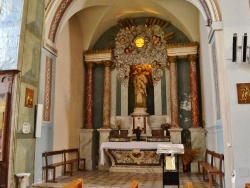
89, 96
173, 92
106, 95
194, 94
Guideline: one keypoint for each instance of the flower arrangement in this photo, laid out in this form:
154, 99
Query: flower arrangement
190, 153
165, 126
137, 132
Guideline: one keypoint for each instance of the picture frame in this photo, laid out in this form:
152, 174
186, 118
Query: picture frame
29, 98
243, 92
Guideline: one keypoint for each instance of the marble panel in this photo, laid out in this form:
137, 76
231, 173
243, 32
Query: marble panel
124, 100
86, 146
157, 98
175, 134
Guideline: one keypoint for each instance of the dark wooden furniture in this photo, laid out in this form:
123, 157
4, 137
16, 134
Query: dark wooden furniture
64, 158
212, 165
7, 78
170, 167
72, 156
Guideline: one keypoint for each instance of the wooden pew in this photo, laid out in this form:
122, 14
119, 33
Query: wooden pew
63, 158
74, 184
49, 165
72, 156
135, 184
212, 165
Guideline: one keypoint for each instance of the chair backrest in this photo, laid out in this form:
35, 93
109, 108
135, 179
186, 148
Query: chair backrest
135, 184
74, 184
190, 184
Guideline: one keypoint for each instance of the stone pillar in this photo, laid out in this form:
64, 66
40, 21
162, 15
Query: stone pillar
106, 95
173, 92
194, 94
89, 96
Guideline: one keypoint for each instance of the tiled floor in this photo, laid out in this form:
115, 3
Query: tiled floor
104, 179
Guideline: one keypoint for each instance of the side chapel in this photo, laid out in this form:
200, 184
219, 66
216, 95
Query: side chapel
151, 80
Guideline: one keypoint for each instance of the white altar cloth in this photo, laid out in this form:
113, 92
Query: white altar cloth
127, 146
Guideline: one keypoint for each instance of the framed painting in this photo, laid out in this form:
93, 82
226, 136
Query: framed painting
243, 92
29, 98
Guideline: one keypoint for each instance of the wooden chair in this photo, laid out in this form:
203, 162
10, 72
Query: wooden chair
247, 185
135, 184
74, 184
190, 184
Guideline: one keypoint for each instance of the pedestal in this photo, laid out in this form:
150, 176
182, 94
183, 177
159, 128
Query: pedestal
198, 140
140, 119
175, 134
22, 180
86, 147
104, 137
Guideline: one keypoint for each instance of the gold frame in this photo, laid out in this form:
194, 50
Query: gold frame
243, 91
29, 98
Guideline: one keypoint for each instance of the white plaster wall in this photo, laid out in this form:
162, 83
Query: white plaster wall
69, 86
207, 78
236, 19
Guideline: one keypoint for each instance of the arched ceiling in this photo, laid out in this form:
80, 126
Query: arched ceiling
95, 16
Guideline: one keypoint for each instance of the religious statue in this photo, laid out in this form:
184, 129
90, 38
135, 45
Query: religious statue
140, 85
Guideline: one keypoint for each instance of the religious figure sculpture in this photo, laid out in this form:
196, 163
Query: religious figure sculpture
140, 86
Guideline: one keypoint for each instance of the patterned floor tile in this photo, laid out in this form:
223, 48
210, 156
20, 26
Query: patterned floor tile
104, 179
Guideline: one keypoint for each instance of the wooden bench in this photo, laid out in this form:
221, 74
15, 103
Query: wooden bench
212, 165
63, 158
71, 159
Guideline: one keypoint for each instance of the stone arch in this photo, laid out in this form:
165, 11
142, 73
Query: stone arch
58, 12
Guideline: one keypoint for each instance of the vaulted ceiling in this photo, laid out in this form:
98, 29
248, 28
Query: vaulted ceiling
95, 16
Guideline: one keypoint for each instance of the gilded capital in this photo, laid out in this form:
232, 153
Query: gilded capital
171, 59
192, 57
90, 64
107, 63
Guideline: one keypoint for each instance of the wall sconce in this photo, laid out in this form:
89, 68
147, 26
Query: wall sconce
240, 51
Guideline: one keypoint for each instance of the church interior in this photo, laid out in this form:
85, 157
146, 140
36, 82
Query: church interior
121, 80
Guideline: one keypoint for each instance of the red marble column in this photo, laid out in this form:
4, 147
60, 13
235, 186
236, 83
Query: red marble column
194, 94
106, 95
89, 96
173, 92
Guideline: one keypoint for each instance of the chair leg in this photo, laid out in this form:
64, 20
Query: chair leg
199, 168
221, 184
46, 174
210, 180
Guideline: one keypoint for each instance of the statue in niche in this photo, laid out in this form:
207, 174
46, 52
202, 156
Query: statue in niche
142, 75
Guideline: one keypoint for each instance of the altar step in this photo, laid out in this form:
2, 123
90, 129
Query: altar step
105, 179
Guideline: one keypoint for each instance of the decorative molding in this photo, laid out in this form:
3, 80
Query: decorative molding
47, 90
50, 48
182, 49
98, 56
57, 18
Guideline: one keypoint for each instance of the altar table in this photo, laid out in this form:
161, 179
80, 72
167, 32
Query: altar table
132, 156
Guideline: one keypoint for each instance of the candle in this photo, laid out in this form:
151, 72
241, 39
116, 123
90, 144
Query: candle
234, 46
244, 47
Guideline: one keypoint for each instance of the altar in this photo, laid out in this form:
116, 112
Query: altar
140, 157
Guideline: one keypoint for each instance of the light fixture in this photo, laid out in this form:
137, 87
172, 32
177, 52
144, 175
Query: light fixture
240, 54
139, 42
